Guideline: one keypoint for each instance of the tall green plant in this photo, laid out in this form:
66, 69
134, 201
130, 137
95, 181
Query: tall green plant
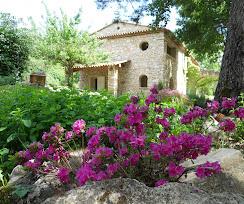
63, 43
14, 47
199, 84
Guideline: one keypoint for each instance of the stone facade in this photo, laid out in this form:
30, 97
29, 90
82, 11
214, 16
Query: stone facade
153, 56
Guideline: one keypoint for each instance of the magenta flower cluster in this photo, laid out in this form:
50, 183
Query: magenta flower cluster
50, 153
208, 169
229, 103
126, 150
193, 114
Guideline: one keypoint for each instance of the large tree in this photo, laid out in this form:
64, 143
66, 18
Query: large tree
14, 47
62, 42
208, 28
231, 79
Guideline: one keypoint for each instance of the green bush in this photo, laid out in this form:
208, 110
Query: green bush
54, 72
6, 80
26, 112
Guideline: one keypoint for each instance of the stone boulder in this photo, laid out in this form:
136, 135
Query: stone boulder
230, 180
227, 187
129, 191
40, 187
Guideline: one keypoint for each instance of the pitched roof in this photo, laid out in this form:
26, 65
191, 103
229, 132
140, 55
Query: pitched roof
144, 31
147, 30
77, 68
123, 22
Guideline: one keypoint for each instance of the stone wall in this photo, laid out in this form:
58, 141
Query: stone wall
150, 62
86, 74
154, 62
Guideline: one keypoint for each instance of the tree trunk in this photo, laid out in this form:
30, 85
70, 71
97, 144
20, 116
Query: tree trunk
69, 76
231, 78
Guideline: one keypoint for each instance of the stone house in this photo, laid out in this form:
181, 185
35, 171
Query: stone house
139, 58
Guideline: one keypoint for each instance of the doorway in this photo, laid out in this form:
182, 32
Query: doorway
97, 83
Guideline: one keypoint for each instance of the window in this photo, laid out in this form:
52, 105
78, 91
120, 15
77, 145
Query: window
144, 46
171, 51
143, 81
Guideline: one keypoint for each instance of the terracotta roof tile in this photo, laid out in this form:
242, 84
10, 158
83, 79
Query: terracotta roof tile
100, 65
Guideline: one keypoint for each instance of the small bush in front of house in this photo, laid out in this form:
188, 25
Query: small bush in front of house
126, 150
26, 112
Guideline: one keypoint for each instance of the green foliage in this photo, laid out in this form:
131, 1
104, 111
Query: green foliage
21, 191
14, 44
5, 80
26, 112
5, 195
200, 84
61, 42
54, 72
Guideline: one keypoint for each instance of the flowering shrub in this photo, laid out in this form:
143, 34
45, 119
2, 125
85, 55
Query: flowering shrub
126, 150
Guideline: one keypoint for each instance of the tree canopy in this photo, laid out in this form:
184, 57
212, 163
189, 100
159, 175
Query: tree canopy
62, 42
14, 47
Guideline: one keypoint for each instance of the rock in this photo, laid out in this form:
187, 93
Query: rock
45, 187
126, 191
41, 187
227, 157
230, 180
227, 187
19, 176
75, 159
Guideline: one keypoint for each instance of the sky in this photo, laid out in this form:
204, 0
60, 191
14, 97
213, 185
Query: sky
92, 18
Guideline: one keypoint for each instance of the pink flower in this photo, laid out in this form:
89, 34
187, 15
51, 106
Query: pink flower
84, 174
208, 169
195, 113
93, 142
125, 135
134, 99
140, 129
161, 182
96, 161
175, 170
32, 164
104, 152
123, 151
130, 108
63, 175
144, 110
227, 125
91, 131
57, 129
163, 121
134, 119
68, 135
163, 135
45, 136
137, 142
158, 109
213, 106
117, 118
101, 175
79, 126
134, 159
239, 113
168, 112
151, 99
112, 169
228, 103
154, 89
